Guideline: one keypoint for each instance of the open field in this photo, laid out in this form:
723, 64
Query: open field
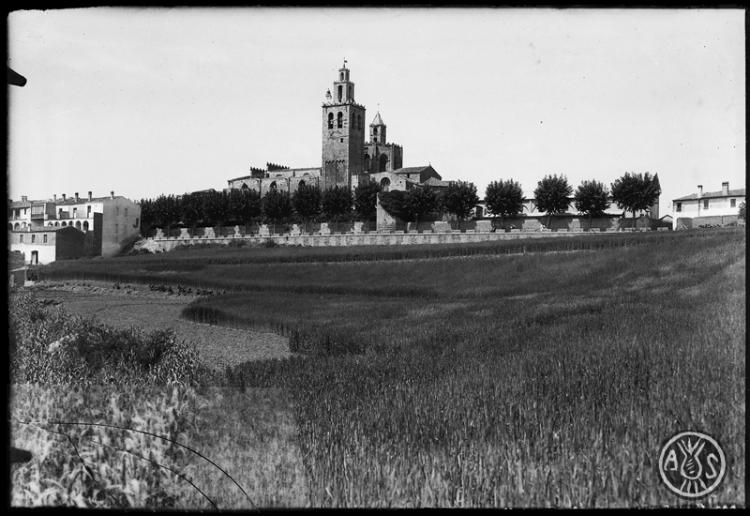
492, 380
136, 306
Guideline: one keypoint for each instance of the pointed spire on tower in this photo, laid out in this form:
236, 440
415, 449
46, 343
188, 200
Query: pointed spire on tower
377, 120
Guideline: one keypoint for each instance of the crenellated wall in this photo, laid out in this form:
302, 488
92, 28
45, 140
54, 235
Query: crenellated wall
439, 235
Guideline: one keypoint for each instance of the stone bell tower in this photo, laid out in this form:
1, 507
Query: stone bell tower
343, 134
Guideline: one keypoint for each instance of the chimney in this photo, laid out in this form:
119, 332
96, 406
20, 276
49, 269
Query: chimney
54, 197
89, 195
725, 188
700, 190
24, 198
112, 194
76, 196
64, 197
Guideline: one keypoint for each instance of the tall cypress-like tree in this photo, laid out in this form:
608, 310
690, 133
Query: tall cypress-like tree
307, 201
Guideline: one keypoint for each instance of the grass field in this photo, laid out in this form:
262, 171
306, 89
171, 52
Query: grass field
489, 378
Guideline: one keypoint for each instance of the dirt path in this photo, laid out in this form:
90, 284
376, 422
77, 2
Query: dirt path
137, 306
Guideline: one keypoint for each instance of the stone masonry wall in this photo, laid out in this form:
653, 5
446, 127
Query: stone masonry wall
324, 237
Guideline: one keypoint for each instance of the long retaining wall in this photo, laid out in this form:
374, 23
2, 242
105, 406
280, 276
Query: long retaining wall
358, 238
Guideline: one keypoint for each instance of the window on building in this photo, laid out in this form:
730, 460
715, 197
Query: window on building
340, 120
679, 206
75, 213
33, 238
136, 223
44, 238
330, 120
340, 92
732, 203
85, 225
88, 211
20, 238
705, 204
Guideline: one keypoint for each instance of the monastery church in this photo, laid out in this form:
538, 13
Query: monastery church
347, 160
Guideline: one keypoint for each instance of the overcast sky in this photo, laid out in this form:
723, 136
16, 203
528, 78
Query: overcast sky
151, 101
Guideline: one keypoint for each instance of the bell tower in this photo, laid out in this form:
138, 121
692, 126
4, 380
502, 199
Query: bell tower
343, 134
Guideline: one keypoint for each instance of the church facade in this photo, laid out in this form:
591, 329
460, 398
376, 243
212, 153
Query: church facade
347, 160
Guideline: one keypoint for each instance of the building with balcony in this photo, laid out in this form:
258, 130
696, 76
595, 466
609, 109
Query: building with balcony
105, 223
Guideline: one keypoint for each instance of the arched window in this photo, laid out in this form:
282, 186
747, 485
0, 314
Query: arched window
330, 120
245, 187
340, 120
17, 225
342, 76
385, 184
340, 91
301, 183
383, 164
64, 224
57, 224
273, 186
86, 225
78, 224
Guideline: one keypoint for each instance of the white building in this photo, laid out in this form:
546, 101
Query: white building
715, 208
107, 223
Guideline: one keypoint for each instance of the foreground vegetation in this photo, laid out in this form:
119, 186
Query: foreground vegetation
545, 379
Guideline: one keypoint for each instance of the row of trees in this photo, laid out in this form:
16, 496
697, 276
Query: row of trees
504, 198
631, 192
240, 207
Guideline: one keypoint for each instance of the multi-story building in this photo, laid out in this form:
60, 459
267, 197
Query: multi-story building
106, 223
714, 208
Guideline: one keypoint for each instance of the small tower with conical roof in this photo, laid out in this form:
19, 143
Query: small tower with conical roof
377, 130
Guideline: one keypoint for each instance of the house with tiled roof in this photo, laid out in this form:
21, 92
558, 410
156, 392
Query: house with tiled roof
720, 207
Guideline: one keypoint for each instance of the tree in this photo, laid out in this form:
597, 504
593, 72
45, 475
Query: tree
741, 213
420, 202
634, 192
460, 198
504, 198
591, 198
394, 202
552, 195
306, 201
214, 207
337, 202
190, 209
365, 200
277, 206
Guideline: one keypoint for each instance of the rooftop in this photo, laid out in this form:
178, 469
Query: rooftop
737, 192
